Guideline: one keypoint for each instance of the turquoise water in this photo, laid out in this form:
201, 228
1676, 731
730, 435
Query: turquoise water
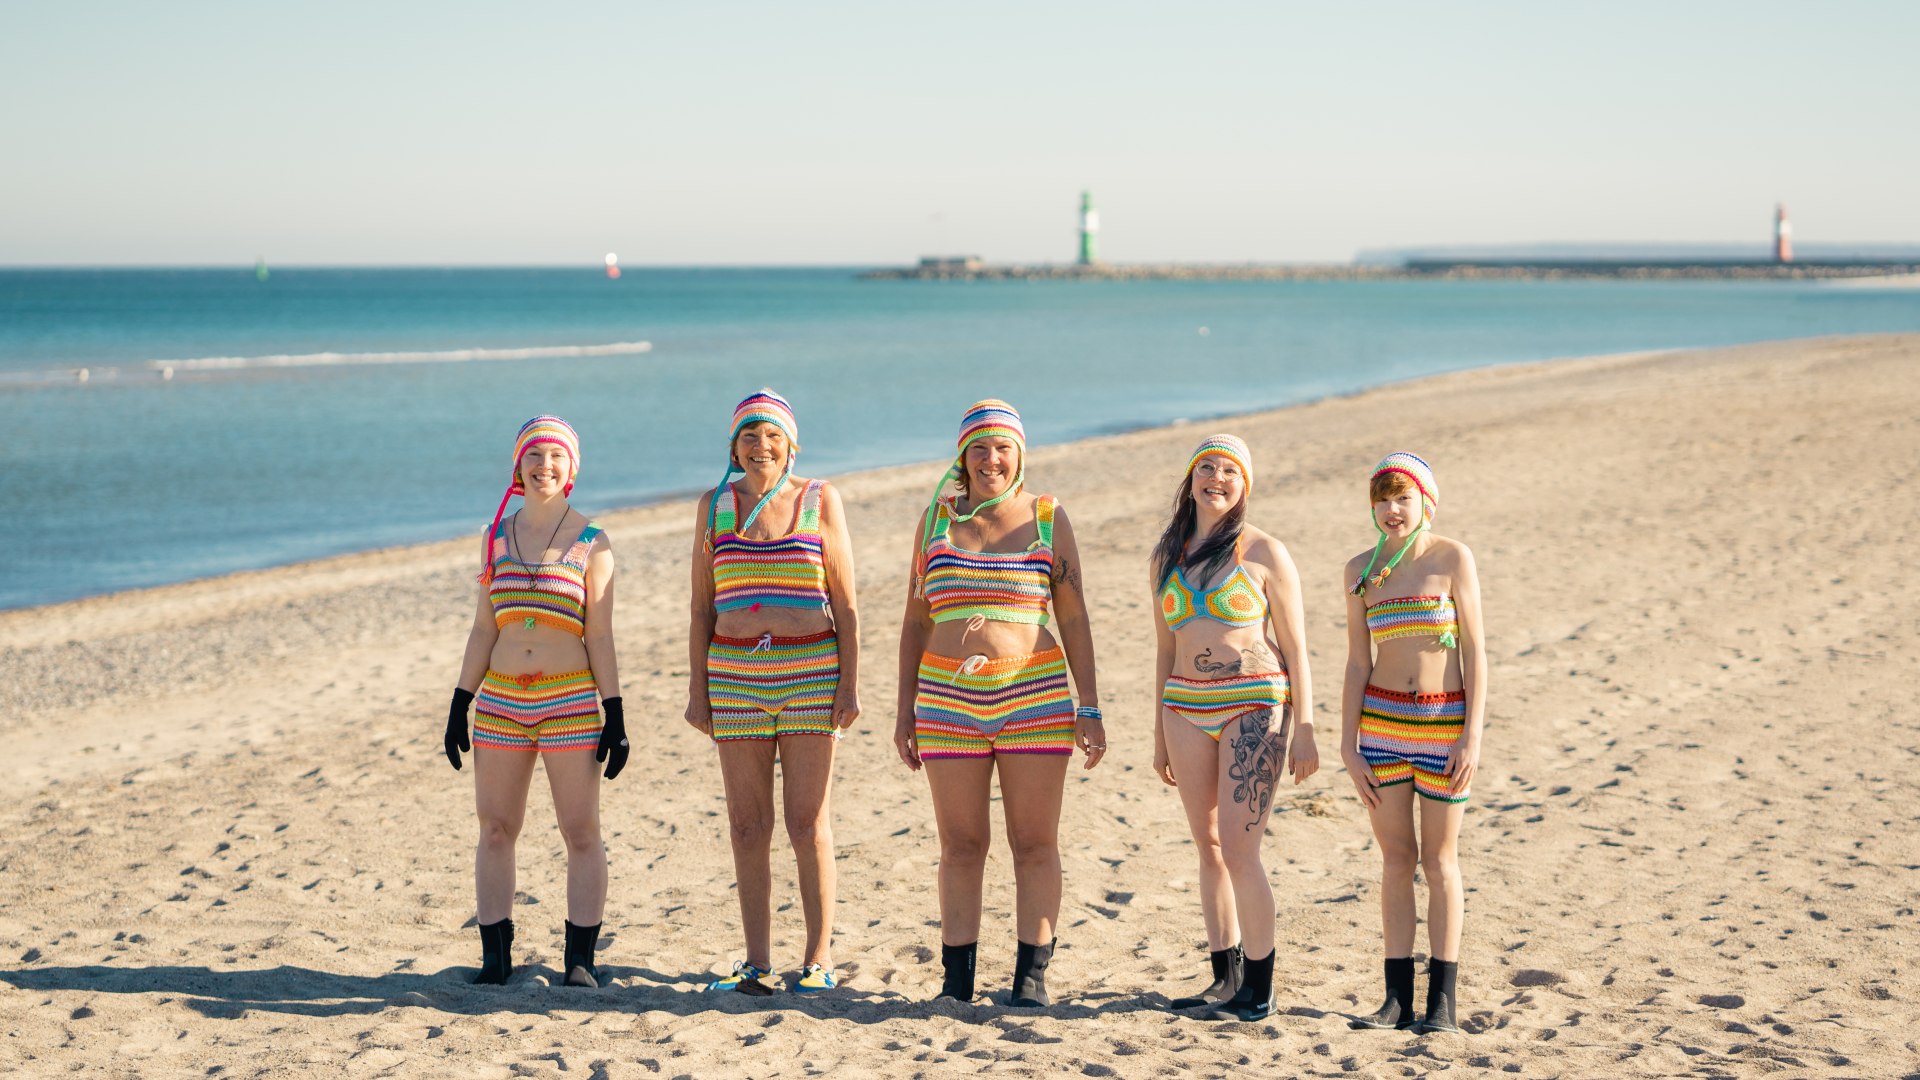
129, 479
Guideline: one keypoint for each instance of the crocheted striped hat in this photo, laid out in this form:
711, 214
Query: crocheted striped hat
762, 407
1230, 447
540, 429
983, 419
1416, 470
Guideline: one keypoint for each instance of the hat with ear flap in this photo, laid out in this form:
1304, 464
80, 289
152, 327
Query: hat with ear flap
1414, 468
540, 429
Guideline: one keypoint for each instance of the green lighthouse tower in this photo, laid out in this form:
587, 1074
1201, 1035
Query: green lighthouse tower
1089, 229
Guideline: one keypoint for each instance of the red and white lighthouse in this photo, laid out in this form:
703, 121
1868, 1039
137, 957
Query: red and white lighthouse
1782, 235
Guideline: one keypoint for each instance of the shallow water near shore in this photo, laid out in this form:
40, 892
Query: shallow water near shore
324, 411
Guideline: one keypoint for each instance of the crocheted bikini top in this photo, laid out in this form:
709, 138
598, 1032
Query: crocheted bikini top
1415, 616
1236, 601
786, 571
1012, 586
543, 593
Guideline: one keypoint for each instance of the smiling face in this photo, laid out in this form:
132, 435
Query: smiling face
545, 469
992, 464
762, 449
1217, 484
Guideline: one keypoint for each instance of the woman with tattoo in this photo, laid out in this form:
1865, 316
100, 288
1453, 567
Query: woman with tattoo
1411, 717
1232, 662
983, 689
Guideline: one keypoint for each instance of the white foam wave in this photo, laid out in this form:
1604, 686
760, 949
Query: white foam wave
331, 359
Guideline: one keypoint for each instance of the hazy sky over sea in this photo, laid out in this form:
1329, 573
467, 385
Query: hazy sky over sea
868, 133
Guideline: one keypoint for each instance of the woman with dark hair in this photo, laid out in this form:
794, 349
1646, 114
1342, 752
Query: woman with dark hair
1236, 708
1415, 702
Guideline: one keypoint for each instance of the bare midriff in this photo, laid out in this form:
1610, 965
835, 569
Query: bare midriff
542, 650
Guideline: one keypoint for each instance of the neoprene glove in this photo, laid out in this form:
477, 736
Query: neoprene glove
613, 738
457, 725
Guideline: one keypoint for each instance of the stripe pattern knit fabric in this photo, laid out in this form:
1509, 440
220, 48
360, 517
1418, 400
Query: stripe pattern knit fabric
1414, 616
537, 712
1212, 704
1013, 586
977, 707
551, 594
786, 571
540, 429
1406, 737
1416, 469
1231, 447
766, 687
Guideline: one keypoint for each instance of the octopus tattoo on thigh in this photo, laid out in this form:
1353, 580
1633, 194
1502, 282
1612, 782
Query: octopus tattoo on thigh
1257, 754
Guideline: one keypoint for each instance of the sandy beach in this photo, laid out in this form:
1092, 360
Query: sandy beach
234, 849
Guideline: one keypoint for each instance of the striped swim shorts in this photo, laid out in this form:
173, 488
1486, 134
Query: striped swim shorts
537, 712
976, 707
766, 687
1406, 737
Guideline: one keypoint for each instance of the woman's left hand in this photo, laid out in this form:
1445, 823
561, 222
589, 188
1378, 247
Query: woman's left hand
1462, 759
1090, 735
1303, 756
846, 707
612, 748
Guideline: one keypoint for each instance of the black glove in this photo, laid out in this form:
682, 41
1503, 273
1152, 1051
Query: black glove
457, 725
613, 738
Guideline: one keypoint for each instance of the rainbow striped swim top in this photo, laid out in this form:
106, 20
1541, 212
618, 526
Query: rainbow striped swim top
1236, 601
543, 593
1415, 616
1012, 586
786, 571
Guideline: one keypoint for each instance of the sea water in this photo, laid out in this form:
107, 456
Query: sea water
324, 411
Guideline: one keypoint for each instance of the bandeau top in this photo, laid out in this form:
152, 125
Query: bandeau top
1415, 616
1236, 601
1012, 586
541, 594
786, 571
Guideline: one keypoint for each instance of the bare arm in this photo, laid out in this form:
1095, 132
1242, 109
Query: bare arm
1163, 652
838, 547
480, 640
1473, 668
1288, 615
1076, 634
1353, 694
916, 626
700, 621
599, 635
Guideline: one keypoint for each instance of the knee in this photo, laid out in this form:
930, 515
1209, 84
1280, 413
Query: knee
1442, 868
1030, 850
749, 831
1211, 855
968, 850
498, 832
582, 838
808, 834
1398, 860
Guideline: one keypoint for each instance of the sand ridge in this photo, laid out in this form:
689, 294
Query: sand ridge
235, 850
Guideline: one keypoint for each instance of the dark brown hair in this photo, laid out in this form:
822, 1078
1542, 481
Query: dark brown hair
1213, 555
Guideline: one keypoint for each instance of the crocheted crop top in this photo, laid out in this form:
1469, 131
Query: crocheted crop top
543, 593
1236, 601
1012, 586
786, 571
1415, 616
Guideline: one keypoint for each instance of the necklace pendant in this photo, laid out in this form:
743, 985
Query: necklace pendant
530, 621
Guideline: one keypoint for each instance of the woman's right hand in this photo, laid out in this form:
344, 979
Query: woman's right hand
1163, 765
700, 716
1362, 776
904, 744
455, 739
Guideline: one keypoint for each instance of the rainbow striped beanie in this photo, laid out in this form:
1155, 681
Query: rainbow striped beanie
761, 406
983, 419
1230, 447
540, 429
1419, 472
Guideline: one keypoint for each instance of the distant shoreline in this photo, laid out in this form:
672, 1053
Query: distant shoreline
1414, 270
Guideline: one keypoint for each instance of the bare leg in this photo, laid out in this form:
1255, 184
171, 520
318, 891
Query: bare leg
1252, 753
746, 768
961, 789
500, 782
1031, 786
806, 784
1399, 852
574, 779
1196, 766
1440, 858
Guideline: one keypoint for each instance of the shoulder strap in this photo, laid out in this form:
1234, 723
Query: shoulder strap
497, 550
582, 545
1043, 517
720, 514
810, 506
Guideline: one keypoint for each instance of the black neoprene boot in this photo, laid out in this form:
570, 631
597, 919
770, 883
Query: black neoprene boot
1397, 1011
1229, 969
496, 952
1254, 1000
958, 962
1441, 977
1030, 975
578, 965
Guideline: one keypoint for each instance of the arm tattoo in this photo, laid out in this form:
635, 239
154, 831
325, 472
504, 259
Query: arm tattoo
1065, 574
1256, 762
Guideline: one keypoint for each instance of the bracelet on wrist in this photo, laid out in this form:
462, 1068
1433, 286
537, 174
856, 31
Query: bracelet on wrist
1086, 712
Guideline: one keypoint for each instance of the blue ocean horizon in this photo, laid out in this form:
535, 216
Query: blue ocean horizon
329, 410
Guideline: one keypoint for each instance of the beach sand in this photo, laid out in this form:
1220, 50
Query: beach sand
232, 848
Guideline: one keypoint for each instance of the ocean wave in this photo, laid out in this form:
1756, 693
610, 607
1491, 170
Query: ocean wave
166, 369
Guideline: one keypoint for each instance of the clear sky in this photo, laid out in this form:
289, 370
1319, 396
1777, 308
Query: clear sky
872, 133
